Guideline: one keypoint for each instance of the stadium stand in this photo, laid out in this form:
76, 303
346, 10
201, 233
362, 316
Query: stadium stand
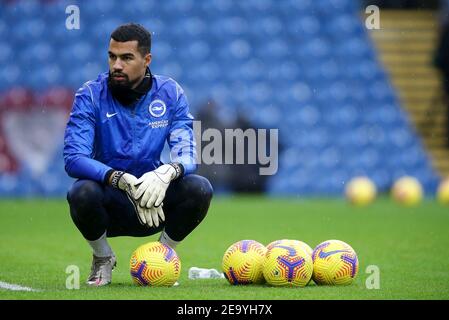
310, 70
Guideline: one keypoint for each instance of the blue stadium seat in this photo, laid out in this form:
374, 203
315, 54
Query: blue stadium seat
332, 8
135, 7
198, 50
303, 25
293, 8
226, 28
276, 49
6, 52
193, 27
46, 76
330, 158
267, 116
270, 26
255, 7
11, 75
102, 8
316, 48
28, 31
346, 24
381, 177
3, 29
172, 69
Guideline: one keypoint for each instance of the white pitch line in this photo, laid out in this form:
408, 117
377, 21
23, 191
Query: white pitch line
15, 287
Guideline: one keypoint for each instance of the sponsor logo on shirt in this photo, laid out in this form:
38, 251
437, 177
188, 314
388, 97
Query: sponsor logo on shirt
158, 124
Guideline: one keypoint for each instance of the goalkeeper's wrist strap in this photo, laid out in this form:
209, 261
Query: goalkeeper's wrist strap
179, 168
113, 177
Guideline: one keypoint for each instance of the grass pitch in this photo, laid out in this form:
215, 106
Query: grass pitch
38, 241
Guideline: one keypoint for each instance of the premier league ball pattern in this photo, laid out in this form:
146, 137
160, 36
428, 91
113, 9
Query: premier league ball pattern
287, 265
334, 263
155, 264
243, 262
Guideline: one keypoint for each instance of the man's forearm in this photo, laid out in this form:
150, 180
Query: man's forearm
82, 167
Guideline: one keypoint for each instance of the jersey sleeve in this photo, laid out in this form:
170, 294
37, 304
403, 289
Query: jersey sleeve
181, 138
79, 140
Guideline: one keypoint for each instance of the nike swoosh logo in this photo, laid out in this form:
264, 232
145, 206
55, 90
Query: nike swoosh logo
110, 115
324, 255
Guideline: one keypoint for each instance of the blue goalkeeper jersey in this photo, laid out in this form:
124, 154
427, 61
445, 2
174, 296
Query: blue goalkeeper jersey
102, 134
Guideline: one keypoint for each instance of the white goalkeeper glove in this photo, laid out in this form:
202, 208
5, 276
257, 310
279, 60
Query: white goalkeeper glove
123, 181
128, 183
154, 184
152, 216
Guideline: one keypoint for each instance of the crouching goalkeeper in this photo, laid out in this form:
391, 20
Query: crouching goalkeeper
113, 141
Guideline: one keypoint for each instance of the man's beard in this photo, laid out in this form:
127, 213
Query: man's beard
122, 90
120, 85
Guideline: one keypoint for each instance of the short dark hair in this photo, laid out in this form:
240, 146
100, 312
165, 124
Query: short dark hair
134, 31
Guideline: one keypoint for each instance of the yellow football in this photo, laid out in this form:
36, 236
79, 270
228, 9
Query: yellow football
407, 191
360, 191
155, 264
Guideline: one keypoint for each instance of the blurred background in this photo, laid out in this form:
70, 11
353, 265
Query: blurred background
348, 101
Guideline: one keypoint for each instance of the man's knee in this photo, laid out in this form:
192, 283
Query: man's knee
199, 190
85, 194
187, 206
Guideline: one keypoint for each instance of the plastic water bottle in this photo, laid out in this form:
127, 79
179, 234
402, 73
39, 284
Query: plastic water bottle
201, 273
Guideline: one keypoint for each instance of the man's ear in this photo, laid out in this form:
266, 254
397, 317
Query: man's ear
147, 59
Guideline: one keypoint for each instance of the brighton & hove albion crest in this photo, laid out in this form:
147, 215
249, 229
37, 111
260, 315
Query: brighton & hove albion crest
157, 108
